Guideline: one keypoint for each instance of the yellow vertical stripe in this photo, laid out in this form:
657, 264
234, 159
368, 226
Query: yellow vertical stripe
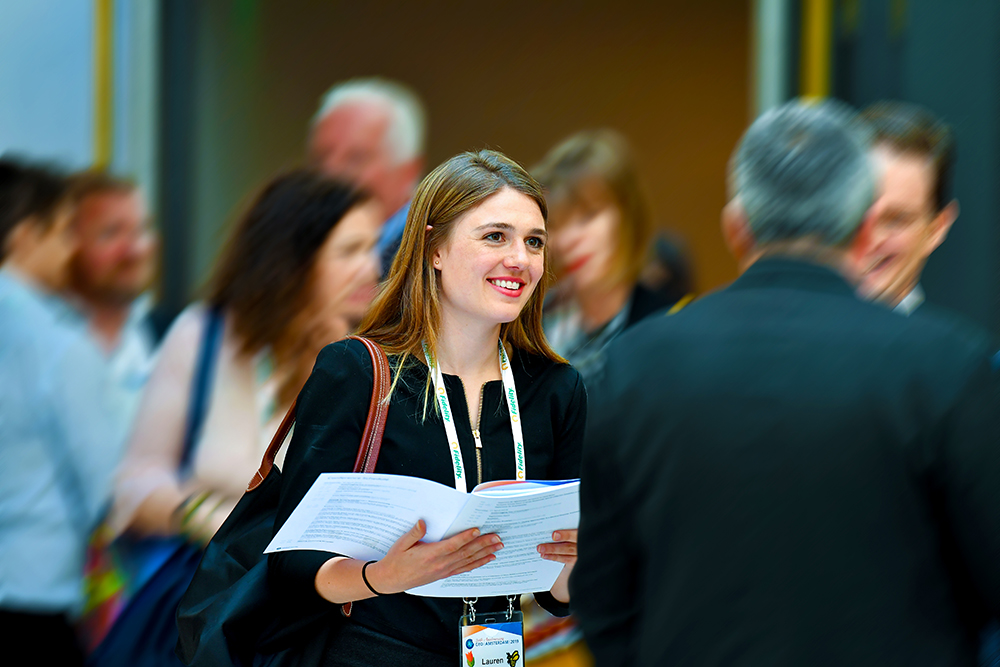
103, 72
817, 35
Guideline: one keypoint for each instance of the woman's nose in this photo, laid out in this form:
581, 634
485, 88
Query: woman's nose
518, 255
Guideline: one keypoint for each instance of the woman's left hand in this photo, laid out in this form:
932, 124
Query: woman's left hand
561, 550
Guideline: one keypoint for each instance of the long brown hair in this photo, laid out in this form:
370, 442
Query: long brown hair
407, 311
263, 277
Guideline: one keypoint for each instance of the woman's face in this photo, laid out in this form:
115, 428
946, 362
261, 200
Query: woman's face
584, 231
493, 260
347, 269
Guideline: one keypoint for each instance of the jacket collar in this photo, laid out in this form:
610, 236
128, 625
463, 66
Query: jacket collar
792, 273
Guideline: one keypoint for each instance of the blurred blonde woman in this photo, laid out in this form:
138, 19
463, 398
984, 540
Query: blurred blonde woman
600, 233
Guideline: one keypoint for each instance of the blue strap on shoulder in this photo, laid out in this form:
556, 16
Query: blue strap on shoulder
201, 383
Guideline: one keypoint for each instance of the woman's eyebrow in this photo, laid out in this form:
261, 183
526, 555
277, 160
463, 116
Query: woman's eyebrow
508, 227
494, 225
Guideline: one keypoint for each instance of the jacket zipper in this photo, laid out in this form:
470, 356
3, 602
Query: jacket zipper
479, 442
475, 432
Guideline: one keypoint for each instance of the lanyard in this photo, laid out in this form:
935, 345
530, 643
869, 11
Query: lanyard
447, 416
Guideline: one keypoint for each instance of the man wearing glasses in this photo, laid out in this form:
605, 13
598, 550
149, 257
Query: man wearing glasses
914, 153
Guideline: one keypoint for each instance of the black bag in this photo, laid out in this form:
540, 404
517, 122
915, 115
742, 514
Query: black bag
226, 615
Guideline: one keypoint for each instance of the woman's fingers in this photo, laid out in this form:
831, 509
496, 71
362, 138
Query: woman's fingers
478, 548
563, 549
479, 562
560, 558
412, 536
561, 553
456, 542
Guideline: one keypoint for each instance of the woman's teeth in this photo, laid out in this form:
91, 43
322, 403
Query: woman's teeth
507, 284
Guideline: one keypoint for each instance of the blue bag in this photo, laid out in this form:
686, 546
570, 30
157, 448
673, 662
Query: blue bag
160, 569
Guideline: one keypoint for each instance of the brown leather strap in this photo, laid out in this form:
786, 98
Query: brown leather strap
371, 438
378, 408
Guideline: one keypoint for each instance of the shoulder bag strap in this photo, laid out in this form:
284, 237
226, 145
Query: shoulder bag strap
371, 438
201, 383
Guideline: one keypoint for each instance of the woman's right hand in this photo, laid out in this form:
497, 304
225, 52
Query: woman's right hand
411, 563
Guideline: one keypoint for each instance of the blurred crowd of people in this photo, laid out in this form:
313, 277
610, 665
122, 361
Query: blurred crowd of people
107, 429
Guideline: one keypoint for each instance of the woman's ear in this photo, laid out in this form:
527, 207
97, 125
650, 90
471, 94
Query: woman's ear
21, 238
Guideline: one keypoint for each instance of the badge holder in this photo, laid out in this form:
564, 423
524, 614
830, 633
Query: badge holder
494, 638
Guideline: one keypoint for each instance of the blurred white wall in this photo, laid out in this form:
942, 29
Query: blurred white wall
47, 74
46, 79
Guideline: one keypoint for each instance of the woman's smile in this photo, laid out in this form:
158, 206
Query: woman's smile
512, 287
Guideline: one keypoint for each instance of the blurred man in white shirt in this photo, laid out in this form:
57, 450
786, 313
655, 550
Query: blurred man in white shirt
913, 152
112, 270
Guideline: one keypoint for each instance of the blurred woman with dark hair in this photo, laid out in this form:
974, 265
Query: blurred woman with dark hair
600, 232
298, 271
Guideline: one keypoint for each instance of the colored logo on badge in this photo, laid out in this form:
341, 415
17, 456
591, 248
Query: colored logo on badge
469, 644
469, 660
512, 658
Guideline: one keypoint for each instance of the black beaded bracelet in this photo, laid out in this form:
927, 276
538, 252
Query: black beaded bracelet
364, 577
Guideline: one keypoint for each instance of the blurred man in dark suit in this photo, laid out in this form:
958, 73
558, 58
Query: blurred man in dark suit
914, 153
782, 473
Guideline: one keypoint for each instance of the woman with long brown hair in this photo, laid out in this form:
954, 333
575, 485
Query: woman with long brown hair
463, 296
297, 268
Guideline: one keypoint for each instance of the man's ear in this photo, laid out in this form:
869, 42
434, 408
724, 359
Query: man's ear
941, 224
736, 230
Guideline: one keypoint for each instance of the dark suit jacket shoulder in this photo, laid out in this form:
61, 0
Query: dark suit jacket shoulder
783, 474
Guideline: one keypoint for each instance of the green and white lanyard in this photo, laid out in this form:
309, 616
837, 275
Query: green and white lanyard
447, 416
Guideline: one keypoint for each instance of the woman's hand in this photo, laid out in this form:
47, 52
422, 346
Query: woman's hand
561, 550
412, 563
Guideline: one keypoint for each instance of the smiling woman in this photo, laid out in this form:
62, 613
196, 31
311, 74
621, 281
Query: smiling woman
460, 318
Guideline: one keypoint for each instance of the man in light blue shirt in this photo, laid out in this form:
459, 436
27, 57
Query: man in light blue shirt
60, 436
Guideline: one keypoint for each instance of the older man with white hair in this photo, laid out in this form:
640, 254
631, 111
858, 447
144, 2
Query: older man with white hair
370, 132
782, 473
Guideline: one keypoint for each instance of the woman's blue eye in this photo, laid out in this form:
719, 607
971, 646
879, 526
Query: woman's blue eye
536, 243
494, 236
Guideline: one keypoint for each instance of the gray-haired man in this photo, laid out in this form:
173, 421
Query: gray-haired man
370, 132
782, 473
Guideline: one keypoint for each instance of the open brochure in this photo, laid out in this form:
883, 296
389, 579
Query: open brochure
362, 516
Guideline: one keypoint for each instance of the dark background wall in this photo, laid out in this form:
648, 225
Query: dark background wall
517, 76
946, 56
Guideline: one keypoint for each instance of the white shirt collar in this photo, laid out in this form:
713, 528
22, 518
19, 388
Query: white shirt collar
911, 301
